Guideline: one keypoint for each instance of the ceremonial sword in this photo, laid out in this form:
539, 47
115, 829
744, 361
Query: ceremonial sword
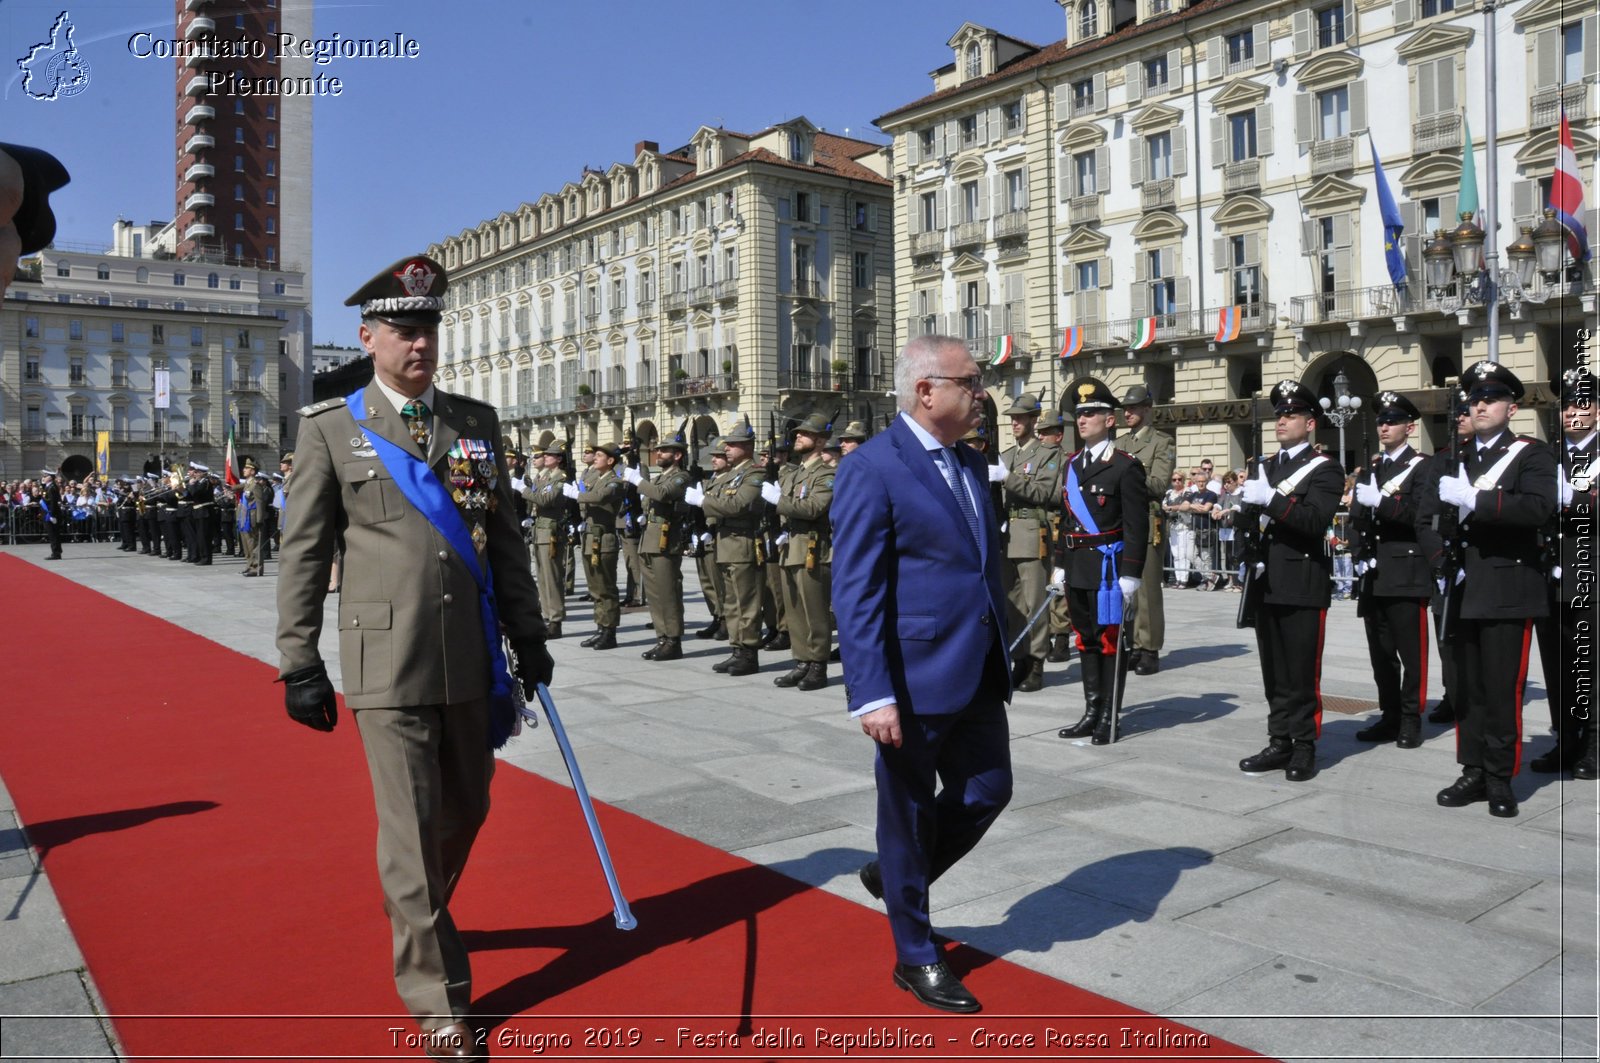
1050, 594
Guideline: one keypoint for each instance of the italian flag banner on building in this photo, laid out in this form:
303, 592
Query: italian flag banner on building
1144, 333
1002, 350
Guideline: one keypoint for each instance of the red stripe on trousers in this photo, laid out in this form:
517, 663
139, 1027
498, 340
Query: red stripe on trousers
1316, 687
1522, 680
1424, 621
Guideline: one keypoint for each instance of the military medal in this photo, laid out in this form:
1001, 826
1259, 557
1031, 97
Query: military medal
480, 538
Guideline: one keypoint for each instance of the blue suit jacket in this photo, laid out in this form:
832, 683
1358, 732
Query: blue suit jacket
918, 607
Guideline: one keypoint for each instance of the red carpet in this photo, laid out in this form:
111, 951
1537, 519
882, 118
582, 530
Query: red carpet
216, 864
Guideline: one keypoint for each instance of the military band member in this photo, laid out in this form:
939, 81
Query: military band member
1504, 492
425, 504
202, 497
1158, 454
1101, 554
705, 553
1029, 471
806, 558
548, 508
1298, 492
128, 516
1394, 575
662, 545
735, 501
254, 501
599, 496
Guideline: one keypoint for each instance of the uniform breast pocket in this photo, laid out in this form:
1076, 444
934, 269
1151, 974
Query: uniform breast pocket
366, 647
371, 495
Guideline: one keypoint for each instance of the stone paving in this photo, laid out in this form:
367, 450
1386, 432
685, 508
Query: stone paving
1349, 917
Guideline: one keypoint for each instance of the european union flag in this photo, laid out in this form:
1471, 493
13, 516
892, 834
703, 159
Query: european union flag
1394, 254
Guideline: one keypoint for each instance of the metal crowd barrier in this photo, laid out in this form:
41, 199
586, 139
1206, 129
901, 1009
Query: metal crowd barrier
1204, 553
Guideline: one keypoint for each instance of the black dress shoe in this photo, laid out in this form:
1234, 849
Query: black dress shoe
1274, 757
607, 639
935, 986
1465, 790
1387, 729
872, 879
1147, 662
780, 641
726, 663
1502, 802
1060, 650
1302, 762
792, 677
1033, 679
745, 661
1588, 765
553, 630
1410, 732
1443, 712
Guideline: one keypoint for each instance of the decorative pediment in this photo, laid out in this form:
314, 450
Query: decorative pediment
1542, 11
1430, 170
701, 320
502, 362
1085, 241
968, 263
1435, 40
1331, 194
1540, 149
968, 31
1241, 212
1081, 135
702, 242
592, 277
1159, 225
803, 313
616, 271
866, 314
568, 349
546, 355
969, 166
644, 333
1335, 68
1239, 94
524, 360
617, 339
1156, 116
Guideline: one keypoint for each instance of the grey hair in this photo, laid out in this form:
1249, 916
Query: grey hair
919, 360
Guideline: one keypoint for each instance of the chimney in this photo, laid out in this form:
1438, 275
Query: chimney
646, 145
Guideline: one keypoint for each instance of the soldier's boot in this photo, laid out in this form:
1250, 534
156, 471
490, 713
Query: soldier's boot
1387, 729
816, 676
1060, 649
779, 642
1034, 680
1443, 712
745, 661
722, 630
1410, 731
592, 639
1089, 669
1302, 761
710, 630
1019, 669
1588, 765
607, 639
1465, 790
1502, 802
553, 629
792, 677
651, 653
671, 650
1108, 699
726, 663
1276, 755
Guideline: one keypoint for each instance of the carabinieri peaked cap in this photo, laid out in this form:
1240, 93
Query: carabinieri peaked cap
1291, 396
1577, 387
1391, 407
1089, 396
409, 292
1491, 380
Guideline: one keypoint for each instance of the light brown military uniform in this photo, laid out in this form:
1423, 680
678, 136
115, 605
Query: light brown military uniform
1158, 454
598, 502
549, 507
807, 558
259, 495
1032, 496
736, 503
661, 549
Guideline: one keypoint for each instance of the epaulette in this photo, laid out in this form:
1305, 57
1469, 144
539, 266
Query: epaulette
321, 407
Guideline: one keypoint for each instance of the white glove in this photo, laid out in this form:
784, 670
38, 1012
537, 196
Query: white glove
1004, 525
1563, 491
707, 539
1440, 584
570, 490
1128, 584
771, 492
782, 538
1555, 573
998, 472
1256, 492
632, 475
527, 522
694, 496
1368, 495
1261, 568
517, 485
1058, 580
1458, 491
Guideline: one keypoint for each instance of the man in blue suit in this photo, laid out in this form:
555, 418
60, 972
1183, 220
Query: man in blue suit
921, 617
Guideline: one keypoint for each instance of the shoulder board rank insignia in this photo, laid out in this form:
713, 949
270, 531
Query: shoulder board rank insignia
321, 407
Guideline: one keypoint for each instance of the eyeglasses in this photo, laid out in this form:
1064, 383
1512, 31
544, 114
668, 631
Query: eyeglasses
973, 383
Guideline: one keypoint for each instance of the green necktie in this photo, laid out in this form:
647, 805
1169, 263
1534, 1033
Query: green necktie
416, 415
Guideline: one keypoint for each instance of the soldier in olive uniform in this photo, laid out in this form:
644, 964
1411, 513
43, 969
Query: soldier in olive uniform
1158, 454
599, 495
1051, 428
630, 528
548, 505
705, 553
1030, 471
661, 546
255, 498
802, 498
424, 504
736, 503
855, 433
774, 607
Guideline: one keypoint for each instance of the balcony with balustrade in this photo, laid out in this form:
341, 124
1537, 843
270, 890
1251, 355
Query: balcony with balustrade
1159, 195
674, 302
1336, 155
966, 234
929, 243
1436, 132
1084, 210
1242, 177
1545, 106
1011, 224
693, 387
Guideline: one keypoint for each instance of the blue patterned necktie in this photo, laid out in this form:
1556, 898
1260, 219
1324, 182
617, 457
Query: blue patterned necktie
952, 476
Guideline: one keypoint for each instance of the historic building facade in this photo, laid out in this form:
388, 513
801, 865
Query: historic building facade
1184, 196
740, 274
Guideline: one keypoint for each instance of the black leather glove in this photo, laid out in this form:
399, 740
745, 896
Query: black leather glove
308, 695
534, 663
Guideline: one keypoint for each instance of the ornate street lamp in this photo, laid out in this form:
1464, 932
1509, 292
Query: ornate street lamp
1341, 410
1520, 253
1466, 242
1550, 244
1438, 262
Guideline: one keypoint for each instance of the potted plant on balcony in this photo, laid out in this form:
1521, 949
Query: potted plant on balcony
680, 374
585, 389
840, 368
727, 365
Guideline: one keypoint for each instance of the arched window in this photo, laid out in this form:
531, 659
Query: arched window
1088, 19
974, 60
212, 280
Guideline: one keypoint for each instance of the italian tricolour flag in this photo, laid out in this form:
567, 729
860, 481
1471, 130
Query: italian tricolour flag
1002, 350
1144, 333
229, 460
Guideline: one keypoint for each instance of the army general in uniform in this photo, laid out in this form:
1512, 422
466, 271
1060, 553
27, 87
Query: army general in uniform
417, 659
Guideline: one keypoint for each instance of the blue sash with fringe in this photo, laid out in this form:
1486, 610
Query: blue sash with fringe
1108, 598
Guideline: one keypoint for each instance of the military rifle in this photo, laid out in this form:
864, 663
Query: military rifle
696, 516
1249, 532
771, 524
1367, 545
632, 504
1447, 522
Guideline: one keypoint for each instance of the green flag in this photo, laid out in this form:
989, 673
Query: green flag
1467, 194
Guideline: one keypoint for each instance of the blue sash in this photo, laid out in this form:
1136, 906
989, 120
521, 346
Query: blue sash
49, 514
424, 491
1108, 598
244, 517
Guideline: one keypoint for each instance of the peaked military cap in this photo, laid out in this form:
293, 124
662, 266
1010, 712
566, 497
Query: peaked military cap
1025, 405
1050, 421
1091, 396
1393, 408
249, 465
1138, 395
613, 450
673, 442
718, 450
1291, 396
817, 424
1491, 380
557, 447
1463, 403
856, 431
42, 174
740, 433
1577, 387
409, 292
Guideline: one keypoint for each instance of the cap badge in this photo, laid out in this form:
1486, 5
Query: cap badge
416, 278
1085, 392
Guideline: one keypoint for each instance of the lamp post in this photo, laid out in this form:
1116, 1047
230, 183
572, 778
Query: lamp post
1341, 410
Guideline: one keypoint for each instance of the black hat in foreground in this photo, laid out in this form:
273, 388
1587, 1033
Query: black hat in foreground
409, 292
1493, 381
1291, 396
1391, 407
42, 173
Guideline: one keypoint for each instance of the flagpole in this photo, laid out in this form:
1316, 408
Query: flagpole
1491, 241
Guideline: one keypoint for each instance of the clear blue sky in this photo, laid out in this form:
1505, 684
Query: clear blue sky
507, 100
